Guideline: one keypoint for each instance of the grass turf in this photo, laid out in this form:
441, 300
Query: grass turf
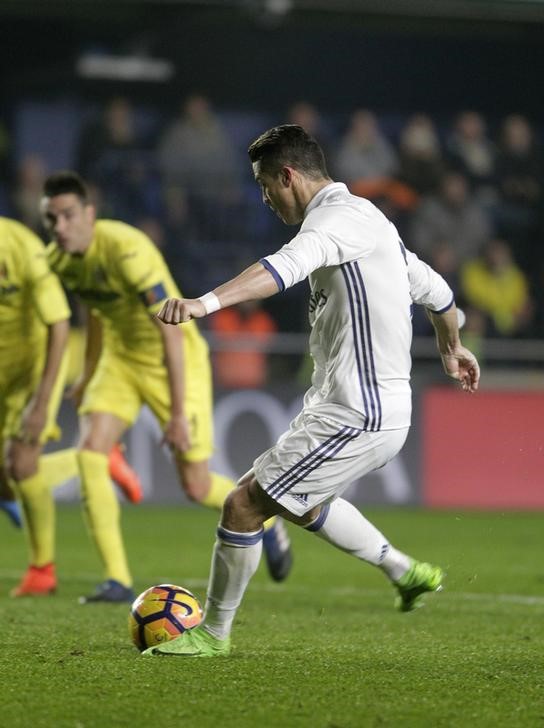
324, 649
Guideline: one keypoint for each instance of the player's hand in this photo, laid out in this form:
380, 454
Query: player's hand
32, 423
75, 392
179, 310
463, 366
177, 434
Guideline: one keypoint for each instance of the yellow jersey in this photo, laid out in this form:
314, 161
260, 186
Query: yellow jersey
124, 280
31, 297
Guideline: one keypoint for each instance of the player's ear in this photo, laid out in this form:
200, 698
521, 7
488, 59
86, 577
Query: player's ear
286, 176
90, 212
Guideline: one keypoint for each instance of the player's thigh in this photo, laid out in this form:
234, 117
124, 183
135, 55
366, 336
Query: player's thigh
17, 393
317, 459
113, 390
198, 405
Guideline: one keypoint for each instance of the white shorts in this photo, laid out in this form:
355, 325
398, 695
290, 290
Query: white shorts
318, 458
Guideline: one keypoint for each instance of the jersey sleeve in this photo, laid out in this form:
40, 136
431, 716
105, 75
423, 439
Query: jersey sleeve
427, 287
324, 240
143, 271
47, 293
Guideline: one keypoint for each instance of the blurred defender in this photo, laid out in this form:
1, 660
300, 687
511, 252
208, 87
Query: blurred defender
356, 415
34, 324
132, 359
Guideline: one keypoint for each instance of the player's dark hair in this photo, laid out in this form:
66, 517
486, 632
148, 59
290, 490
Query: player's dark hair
66, 182
289, 145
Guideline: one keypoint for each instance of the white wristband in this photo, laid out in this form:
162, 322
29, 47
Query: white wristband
211, 302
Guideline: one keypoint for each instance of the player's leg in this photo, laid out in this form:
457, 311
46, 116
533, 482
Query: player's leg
61, 465
99, 433
312, 465
22, 464
27, 480
198, 482
235, 559
111, 403
344, 526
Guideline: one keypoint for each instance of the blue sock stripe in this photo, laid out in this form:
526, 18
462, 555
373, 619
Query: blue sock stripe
239, 539
320, 520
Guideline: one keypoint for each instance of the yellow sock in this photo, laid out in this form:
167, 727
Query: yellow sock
103, 514
39, 511
219, 489
58, 467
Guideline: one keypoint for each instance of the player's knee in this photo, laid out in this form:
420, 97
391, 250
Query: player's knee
94, 444
18, 468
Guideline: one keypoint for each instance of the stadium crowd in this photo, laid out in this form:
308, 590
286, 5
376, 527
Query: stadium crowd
466, 194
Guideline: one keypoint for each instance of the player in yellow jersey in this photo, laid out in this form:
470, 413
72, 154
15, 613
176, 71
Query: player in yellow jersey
34, 324
34, 318
132, 359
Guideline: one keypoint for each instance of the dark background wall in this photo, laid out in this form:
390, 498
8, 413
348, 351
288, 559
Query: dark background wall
245, 58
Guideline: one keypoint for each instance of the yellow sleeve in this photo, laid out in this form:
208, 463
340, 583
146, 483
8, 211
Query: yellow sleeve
143, 269
47, 292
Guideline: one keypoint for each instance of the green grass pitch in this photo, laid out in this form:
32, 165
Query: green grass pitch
325, 649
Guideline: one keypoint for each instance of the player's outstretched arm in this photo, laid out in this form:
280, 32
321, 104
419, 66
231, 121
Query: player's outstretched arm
254, 282
459, 363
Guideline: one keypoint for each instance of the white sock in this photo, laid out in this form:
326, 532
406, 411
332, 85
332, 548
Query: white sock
235, 559
345, 527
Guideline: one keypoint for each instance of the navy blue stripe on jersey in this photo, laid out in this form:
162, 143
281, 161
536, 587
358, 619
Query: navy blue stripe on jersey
446, 308
320, 520
363, 345
239, 539
325, 451
356, 342
270, 268
368, 338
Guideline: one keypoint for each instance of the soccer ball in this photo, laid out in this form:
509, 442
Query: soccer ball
161, 613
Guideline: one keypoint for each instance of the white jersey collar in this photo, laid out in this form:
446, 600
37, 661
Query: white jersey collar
318, 198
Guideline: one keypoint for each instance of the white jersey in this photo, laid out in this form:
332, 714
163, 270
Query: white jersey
363, 283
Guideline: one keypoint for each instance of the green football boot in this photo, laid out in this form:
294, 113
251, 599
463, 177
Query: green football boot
420, 578
195, 642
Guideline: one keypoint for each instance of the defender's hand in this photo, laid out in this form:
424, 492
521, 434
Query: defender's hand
177, 434
179, 310
32, 423
463, 366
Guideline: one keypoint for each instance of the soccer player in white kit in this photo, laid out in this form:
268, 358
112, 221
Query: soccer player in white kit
356, 415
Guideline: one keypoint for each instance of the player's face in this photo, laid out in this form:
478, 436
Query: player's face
69, 221
279, 194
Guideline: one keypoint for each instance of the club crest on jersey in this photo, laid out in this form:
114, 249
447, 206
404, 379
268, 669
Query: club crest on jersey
317, 299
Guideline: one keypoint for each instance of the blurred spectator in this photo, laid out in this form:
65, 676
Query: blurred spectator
29, 178
308, 117
493, 284
451, 217
364, 153
472, 153
248, 324
444, 259
420, 155
197, 161
520, 173
112, 155
474, 332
